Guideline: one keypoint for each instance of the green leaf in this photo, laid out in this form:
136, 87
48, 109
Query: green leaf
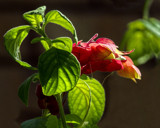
143, 36
13, 40
59, 71
87, 100
73, 119
23, 90
45, 44
64, 43
57, 17
37, 39
41, 122
35, 17
152, 27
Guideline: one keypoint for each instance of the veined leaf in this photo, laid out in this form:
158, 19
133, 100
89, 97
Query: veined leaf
57, 17
87, 100
13, 40
59, 71
64, 43
35, 17
41, 122
23, 90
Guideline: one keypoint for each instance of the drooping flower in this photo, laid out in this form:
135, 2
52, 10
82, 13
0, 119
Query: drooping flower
102, 55
129, 70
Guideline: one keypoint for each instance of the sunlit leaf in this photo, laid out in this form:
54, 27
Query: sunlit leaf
57, 17
87, 100
35, 17
59, 71
64, 43
13, 40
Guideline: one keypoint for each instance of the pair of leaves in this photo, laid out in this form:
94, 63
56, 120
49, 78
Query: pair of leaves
50, 122
87, 100
143, 36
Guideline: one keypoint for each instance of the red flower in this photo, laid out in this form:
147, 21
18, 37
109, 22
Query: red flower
103, 55
97, 55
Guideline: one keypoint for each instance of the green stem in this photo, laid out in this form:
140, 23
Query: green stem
45, 112
62, 115
146, 9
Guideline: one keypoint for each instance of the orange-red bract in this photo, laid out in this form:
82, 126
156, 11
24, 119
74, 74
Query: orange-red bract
130, 70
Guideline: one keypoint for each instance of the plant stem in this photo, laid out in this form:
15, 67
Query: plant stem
146, 9
62, 115
45, 112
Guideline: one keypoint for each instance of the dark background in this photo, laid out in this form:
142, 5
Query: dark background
128, 105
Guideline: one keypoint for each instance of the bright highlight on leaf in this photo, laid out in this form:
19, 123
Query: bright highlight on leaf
35, 17
59, 71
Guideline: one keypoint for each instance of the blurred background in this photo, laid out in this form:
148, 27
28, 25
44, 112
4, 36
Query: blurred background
128, 105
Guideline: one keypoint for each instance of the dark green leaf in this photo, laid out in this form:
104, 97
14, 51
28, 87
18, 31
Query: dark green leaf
41, 122
64, 43
59, 71
87, 100
23, 90
13, 40
35, 17
57, 17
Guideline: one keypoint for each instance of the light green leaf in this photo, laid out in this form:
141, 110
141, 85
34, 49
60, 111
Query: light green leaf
44, 41
23, 90
41, 122
45, 44
59, 71
152, 27
37, 39
57, 17
13, 40
143, 36
35, 17
64, 43
87, 100
73, 119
